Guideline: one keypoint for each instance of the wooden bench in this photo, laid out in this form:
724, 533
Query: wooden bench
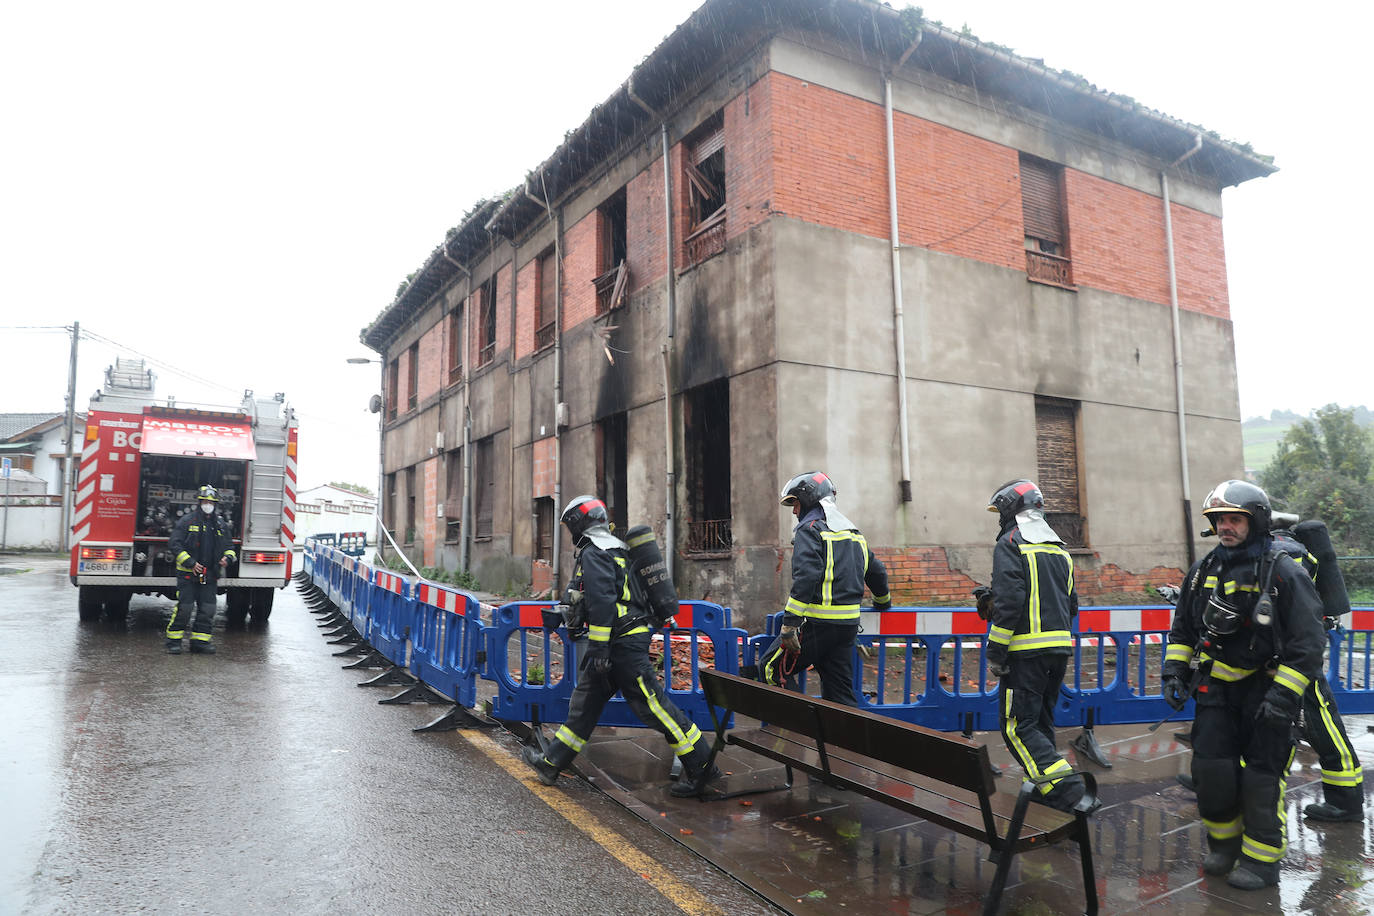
945, 779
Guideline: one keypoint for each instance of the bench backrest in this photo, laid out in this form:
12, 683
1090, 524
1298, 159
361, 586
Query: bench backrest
951, 759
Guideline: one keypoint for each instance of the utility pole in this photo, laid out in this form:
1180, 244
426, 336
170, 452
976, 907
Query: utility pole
69, 472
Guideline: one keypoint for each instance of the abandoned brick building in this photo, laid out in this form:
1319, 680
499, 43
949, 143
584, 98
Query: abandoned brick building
878, 247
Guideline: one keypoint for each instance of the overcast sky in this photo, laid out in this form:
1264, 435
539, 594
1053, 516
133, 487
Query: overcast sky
234, 191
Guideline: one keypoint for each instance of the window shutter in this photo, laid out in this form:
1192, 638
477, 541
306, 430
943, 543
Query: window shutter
1056, 443
1040, 200
708, 144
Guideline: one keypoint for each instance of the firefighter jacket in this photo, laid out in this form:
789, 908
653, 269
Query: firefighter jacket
613, 609
829, 572
201, 538
1290, 647
1033, 598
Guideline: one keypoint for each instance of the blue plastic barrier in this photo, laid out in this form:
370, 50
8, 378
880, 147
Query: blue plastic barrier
446, 638
519, 628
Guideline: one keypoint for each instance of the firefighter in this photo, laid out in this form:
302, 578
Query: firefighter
614, 655
831, 564
1030, 635
201, 544
1246, 641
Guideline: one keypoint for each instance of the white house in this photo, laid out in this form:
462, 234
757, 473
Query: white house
328, 509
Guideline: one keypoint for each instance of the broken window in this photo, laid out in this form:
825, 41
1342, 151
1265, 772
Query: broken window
1042, 207
612, 446
486, 320
413, 376
704, 174
706, 420
612, 250
546, 298
455, 345
389, 505
484, 486
411, 518
1056, 449
543, 529
453, 496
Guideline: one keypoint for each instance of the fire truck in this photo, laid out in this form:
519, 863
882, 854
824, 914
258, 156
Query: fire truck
141, 466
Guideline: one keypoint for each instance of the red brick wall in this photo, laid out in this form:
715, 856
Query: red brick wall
432, 355
1116, 241
541, 483
526, 292
644, 245
503, 306
749, 175
921, 575
579, 269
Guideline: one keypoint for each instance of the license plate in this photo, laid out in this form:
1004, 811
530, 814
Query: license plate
108, 567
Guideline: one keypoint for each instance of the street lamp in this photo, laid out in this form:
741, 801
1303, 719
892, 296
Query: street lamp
376, 407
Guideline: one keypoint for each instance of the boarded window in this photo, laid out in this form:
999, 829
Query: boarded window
1042, 209
393, 382
455, 345
1056, 448
612, 446
704, 174
413, 377
389, 505
612, 251
412, 521
706, 418
484, 486
546, 302
453, 494
543, 529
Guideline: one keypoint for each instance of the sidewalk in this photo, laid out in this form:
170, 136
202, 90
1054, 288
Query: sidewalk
815, 849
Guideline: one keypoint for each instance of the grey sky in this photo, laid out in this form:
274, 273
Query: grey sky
236, 190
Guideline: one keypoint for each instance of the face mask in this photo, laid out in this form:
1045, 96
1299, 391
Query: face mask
207, 508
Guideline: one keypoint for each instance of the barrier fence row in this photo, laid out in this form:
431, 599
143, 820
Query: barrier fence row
926, 666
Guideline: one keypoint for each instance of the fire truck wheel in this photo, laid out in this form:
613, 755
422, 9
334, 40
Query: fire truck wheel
88, 603
117, 607
260, 605
236, 600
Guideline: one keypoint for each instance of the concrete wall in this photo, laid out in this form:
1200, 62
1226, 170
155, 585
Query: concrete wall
33, 527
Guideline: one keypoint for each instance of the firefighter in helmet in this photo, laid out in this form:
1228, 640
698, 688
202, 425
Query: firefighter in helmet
604, 603
831, 564
1247, 642
202, 548
1033, 603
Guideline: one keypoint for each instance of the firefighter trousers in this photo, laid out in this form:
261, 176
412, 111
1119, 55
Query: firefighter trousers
1030, 691
632, 674
1240, 765
1342, 778
194, 599
829, 647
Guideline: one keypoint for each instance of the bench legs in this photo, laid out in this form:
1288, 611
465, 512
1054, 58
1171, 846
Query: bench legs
1003, 857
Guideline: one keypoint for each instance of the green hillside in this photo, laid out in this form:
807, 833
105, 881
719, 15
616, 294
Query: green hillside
1261, 435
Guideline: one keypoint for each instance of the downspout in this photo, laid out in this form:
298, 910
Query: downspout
557, 222
898, 324
1178, 352
666, 350
462, 344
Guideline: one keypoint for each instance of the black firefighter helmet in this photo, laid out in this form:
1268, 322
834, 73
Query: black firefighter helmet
1243, 497
807, 490
1015, 496
582, 513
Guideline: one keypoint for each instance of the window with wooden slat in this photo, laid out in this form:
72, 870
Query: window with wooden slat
1046, 232
393, 383
453, 495
413, 377
546, 298
544, 531
455, 345
484, 487
1056, 449
612, 278
703, 168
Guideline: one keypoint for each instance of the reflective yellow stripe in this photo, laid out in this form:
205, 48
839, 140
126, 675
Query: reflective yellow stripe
999, 635
1023, 753
200, 637
1293, 679
1049, 639
1224, 672
824, 611
1178, 652
175, 634
884, 598
599, 634
680, 741
1348, 775
566, 735
1262, 852
1343, 777
1224, 830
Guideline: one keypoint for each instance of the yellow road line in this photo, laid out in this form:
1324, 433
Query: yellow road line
679, 894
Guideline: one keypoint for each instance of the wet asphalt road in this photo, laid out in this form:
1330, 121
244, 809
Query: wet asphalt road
263, 779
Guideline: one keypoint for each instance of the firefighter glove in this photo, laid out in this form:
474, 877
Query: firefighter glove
882, 605
790, 639
983, 595
1280, 706
998, 669
599, 660
1175, 692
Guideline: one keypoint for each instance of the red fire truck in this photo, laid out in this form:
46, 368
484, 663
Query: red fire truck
140, 467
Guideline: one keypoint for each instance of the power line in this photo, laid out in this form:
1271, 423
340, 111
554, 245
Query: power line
175, 370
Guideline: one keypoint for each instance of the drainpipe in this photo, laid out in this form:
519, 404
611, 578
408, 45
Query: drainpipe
898, 325
557, 222
462, 523
1178, 352
669, 533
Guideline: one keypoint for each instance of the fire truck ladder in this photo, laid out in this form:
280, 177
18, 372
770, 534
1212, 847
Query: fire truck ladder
269, 480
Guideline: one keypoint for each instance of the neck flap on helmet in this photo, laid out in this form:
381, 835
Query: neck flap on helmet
601, 536
835, 520
1034, 528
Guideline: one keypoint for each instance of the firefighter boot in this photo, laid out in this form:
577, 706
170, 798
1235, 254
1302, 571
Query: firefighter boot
1222, 857
691, 783
1252, 876
1341, 803
546, 771
202, 647
173, 647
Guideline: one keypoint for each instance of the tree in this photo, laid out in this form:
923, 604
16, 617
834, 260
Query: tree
353, 487
1322, 470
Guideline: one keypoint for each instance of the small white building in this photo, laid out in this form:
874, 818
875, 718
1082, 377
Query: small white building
328, 509
36, 445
